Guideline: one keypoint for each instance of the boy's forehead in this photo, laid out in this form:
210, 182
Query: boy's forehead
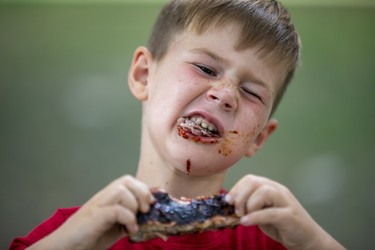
224, 35
228, 34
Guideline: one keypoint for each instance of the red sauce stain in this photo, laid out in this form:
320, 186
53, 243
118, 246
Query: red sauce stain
225, 149
182, 133
186, 135
228, 142
188, 167
232, 138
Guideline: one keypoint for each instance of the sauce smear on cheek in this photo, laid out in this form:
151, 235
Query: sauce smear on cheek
228, 143
188, 167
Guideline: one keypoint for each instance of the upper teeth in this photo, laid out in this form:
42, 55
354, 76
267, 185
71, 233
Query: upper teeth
203, 123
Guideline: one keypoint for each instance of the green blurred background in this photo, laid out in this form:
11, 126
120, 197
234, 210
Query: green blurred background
69, 124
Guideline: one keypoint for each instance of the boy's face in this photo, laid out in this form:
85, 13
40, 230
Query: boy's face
208, 104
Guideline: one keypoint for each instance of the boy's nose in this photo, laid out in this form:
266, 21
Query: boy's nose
224, 96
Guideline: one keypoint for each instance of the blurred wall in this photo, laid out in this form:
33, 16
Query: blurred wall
69, 124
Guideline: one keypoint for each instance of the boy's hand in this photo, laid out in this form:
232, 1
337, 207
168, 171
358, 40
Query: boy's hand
98, 224
263, 202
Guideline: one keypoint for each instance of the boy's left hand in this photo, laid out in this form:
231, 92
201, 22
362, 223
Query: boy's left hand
261, 201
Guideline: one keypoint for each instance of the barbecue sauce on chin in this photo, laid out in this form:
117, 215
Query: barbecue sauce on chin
188, 167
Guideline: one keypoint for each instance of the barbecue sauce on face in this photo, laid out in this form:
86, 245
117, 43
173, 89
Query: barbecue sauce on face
229, 141
199, 139
188, 167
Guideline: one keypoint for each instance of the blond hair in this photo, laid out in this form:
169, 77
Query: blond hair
265, 23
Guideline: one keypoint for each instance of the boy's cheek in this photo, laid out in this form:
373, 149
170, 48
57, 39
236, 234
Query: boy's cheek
235, 144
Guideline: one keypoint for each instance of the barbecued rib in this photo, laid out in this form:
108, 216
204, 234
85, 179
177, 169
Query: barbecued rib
169, 216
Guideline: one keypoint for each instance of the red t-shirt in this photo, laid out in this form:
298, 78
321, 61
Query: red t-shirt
238, 238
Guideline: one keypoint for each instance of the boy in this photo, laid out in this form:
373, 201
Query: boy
213, 75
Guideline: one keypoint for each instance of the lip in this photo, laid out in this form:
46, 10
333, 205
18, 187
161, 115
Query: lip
210, 118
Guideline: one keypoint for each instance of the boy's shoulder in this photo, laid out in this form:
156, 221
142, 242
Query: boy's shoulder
44, 229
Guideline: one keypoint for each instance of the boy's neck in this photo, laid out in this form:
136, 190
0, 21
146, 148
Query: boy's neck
179, 184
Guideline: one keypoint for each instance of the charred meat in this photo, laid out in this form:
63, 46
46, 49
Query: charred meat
169, 216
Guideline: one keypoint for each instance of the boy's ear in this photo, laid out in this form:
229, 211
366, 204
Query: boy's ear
139, 72
270, 127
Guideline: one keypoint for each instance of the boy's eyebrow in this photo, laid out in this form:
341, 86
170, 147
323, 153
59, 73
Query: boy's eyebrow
225, 62
210, 54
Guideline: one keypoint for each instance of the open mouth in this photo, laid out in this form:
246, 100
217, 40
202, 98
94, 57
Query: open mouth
198, 129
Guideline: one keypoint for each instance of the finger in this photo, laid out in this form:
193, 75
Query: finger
241, 192
117, 193
140, 191
121, 215
267, 216
265, 196
127, 199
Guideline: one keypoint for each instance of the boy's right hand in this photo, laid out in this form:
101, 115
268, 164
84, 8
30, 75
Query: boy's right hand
98, 224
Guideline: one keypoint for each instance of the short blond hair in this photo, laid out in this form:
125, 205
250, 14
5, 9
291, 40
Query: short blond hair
265, 23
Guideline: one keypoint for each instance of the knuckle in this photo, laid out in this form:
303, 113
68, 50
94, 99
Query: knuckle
255, 180
282, 187
144, 193
126, 179
119, 189
267, 190
249, 178
286, 190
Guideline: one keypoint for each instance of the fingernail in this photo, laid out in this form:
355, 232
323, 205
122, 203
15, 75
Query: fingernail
246, 221
238, 212
228, 198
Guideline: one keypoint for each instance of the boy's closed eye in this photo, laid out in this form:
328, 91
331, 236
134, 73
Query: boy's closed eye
251, 93
206, 70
